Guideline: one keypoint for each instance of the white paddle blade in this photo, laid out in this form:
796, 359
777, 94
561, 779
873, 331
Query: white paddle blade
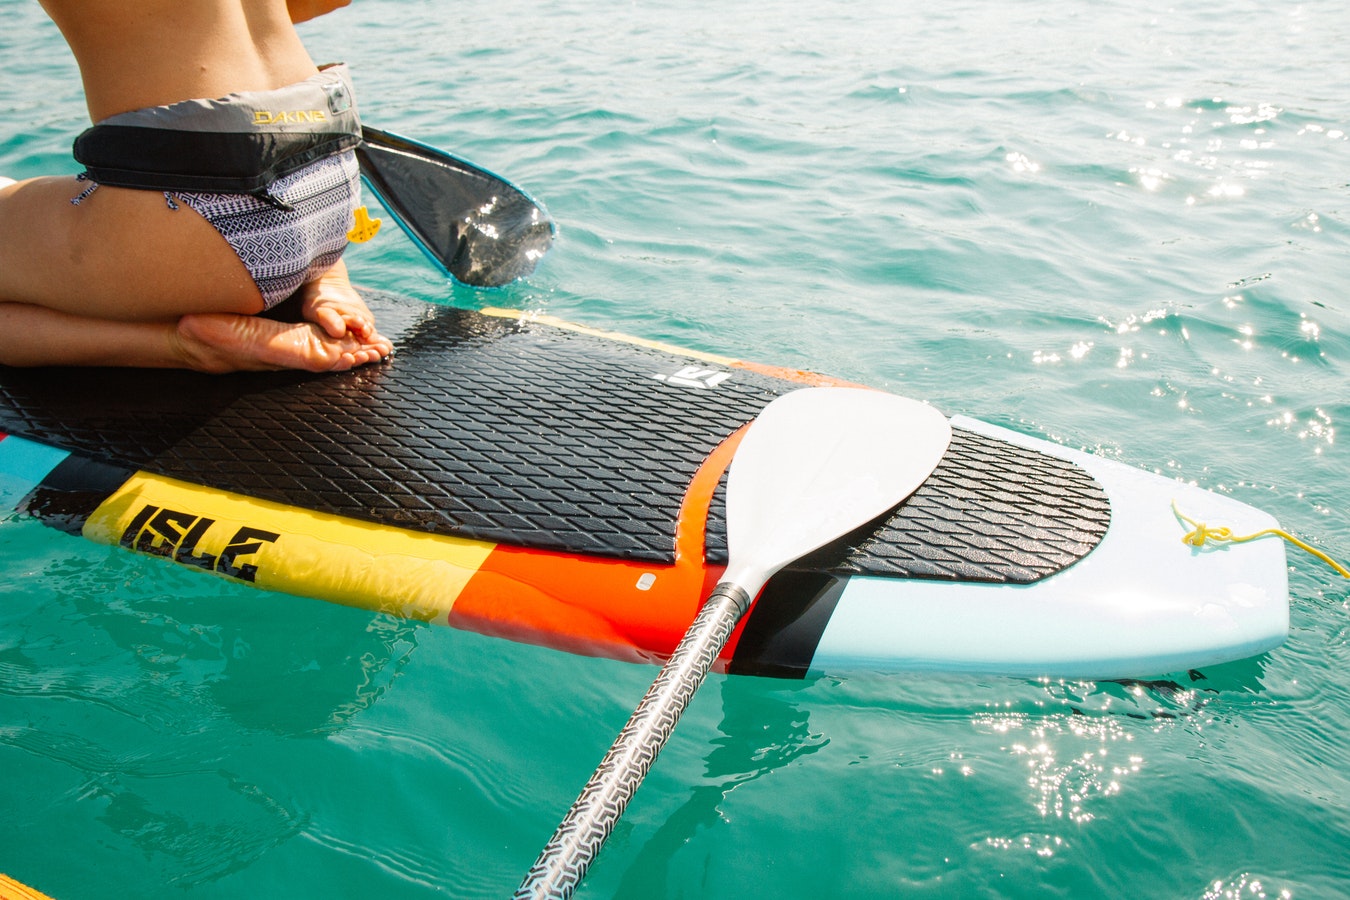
818, 463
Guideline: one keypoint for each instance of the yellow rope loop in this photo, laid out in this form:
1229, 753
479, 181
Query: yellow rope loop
1200, 533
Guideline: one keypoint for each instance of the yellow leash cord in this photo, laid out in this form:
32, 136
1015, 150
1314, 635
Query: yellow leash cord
1200, 533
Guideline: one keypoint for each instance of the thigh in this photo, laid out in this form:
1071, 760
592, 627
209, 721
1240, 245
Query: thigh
120, 254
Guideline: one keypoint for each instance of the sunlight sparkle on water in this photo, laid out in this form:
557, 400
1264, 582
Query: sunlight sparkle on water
1079, 350
1151, 178
1241, 887
1246, 115
1068, 788
1042, 845
1335, 134
1318, 428
1311, 222
1134, 321
1022, 163
957, 759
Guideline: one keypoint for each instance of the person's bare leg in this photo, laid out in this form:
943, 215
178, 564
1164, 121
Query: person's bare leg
120, 254
72, 274
221, 342
207, 342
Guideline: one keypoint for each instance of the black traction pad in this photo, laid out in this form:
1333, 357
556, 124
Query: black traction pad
533, 435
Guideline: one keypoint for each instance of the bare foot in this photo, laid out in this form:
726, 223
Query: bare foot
224, 342
333, 304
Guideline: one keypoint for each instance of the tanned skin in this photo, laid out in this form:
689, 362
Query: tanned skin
122, 279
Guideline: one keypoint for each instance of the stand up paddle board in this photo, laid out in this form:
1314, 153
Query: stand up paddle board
548, 483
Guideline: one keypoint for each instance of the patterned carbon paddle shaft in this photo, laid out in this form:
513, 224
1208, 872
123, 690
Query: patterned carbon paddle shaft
568, 854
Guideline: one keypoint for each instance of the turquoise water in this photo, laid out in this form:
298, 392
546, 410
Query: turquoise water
1124, 227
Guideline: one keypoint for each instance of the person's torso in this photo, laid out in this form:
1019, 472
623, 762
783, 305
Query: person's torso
140, 53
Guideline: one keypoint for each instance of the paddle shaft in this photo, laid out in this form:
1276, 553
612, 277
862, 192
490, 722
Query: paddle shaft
815, 464
568, 854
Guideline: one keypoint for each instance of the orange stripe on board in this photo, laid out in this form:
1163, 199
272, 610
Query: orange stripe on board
616, 608
800, 376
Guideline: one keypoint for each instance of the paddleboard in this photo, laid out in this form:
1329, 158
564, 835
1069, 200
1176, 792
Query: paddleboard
523, 477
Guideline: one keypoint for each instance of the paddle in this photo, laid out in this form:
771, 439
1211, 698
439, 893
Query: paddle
816, 464
474, 225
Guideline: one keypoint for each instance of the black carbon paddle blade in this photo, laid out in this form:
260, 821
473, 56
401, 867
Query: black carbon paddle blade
477, 227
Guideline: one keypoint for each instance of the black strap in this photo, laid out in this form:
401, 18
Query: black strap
170, 160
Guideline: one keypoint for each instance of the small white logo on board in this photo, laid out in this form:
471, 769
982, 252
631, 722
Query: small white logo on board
694, 377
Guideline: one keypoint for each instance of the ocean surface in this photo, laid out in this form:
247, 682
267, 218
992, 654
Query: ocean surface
1124, 227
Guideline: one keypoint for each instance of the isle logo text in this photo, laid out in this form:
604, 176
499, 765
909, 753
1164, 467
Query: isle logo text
168, 532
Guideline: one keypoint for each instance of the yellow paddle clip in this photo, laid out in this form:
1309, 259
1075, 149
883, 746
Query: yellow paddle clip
1200, 533
365, 227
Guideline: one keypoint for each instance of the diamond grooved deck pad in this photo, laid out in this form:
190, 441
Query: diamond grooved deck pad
533, 435
991, 511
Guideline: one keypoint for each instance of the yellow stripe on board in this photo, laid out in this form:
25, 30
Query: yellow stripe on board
522, 316
283, 548
14, 890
